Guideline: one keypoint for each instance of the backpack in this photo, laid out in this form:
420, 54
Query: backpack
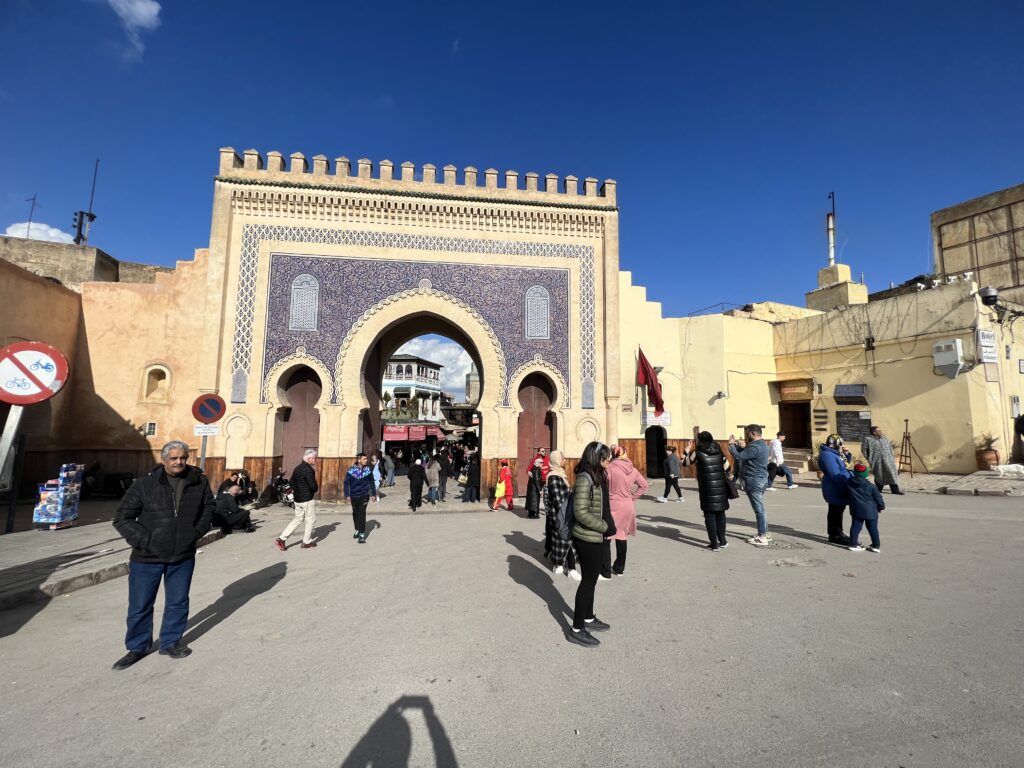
564, 518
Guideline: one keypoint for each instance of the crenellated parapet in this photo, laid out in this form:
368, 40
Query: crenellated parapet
318, 172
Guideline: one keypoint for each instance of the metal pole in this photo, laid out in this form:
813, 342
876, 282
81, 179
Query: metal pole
202, 454
19, 460
7, 439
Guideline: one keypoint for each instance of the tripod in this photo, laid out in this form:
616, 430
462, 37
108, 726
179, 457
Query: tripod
908, 451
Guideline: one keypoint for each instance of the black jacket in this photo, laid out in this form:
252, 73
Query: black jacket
148, 520
473, 473
304, 482
712, 486
445, 466
533, 487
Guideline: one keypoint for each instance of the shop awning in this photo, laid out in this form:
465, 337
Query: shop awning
396, 432
851, 394
417, 432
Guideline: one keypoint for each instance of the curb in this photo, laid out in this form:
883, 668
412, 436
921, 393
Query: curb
51, 589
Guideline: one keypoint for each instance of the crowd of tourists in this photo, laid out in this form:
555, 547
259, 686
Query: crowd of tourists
165, 513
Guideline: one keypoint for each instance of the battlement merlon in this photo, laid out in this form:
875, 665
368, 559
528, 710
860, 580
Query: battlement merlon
252, 168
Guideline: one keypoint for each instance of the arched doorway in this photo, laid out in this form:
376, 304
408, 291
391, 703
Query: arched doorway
301, 421
536, 422
655, 437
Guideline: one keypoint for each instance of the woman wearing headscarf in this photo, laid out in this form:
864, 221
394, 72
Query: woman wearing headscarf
835, 478
555, 493
625, 485
417, 476
592, 523
503, 490
472, 492
533, 486
712, 488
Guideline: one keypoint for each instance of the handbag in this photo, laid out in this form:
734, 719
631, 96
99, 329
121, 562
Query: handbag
463, 478
733, 490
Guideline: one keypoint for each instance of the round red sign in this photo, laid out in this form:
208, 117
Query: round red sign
208, 408
31, 372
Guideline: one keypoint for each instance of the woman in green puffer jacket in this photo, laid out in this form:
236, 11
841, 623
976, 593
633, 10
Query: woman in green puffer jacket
592, 525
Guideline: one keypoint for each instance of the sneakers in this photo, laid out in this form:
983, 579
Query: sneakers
713, 547
582, 637
661, 500
362, 537
574, 575
875, 549
769, 488
680, 499
596, 625
856, 548
304, 545
176, 651
602, 577
723, 545
279, 543
355, 535
558, 569
759, 541
792, 487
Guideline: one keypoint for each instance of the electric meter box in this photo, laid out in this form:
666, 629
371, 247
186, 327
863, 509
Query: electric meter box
948, 356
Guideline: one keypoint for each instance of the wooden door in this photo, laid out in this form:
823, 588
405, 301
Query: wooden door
795, 421
302, 422
535, 423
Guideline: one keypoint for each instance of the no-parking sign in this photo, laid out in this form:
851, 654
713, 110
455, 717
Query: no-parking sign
208, 408
31, 372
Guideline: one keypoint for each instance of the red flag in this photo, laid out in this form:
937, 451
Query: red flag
646, 377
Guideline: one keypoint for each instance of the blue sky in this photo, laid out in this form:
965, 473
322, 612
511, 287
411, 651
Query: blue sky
725, 124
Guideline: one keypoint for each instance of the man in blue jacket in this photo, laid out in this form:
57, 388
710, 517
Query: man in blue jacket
360, 490
754, 472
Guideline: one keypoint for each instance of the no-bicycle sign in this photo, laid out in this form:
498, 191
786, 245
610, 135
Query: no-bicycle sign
31, 372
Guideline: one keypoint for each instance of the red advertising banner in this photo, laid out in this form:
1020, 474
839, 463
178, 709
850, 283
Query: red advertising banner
396, 432
418, 432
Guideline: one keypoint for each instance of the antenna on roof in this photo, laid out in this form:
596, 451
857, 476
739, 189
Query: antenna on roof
31, 211
84, 219
830, 227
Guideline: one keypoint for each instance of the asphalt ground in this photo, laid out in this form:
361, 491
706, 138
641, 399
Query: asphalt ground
441, 641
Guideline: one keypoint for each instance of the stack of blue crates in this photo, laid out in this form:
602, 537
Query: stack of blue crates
58, 499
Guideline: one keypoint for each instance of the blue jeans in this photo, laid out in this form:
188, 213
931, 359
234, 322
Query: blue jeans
432, 494
756, 498
871, 525
442, 488
391, 477
788, 473
143, 584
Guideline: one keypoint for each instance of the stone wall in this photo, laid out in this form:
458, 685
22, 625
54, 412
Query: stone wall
73, 265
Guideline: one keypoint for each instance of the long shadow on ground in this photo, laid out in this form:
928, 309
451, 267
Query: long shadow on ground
234, 597
539, 582
389, 740
20, 596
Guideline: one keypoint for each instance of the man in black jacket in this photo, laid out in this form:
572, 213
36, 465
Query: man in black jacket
162, 516
228, 515
304, 487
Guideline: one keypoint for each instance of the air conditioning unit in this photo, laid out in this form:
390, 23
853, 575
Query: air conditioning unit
948, 357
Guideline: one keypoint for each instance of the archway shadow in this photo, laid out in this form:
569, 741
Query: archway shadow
234, 597
674, 521
539, 582
528, 546
673, 534
388, 743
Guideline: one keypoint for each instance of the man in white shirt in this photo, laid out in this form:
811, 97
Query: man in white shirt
777, 463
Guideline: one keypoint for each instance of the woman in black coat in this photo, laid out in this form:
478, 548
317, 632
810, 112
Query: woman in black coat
417, 477
472, 492
713, 488
533, 487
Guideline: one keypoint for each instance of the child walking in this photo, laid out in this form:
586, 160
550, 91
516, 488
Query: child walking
865, 505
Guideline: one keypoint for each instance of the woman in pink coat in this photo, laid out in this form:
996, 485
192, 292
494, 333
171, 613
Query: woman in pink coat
625, 485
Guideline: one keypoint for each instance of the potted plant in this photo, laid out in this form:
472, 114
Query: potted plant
387, 400
985, 453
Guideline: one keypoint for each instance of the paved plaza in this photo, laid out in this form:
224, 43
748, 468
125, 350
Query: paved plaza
441, 642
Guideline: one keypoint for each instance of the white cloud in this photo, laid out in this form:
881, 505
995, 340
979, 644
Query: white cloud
137, 16
39, 231
455, 359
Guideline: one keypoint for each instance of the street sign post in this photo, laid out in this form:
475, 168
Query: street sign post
207, 409
30, 372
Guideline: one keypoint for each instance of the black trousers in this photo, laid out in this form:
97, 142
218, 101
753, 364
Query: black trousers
670, 483
715, 523
359, 512
606, 558
442, 486
894, 487
619, 566
234, 521
835, 520
472, 493
589, 555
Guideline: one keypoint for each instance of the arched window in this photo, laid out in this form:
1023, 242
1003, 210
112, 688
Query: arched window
305, 304
538, 313
408, 370
156, 384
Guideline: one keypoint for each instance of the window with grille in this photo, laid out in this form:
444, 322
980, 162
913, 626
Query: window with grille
538, 313
305, 304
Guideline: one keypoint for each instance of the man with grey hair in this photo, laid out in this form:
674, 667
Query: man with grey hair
304, 486
162, 516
